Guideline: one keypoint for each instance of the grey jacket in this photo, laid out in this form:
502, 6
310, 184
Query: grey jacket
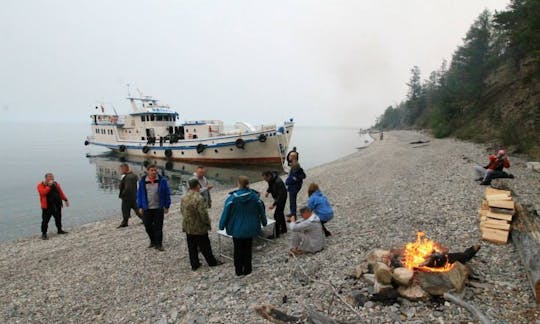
308, 235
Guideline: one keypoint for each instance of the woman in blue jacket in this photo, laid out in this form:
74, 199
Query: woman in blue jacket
242, 217
319, 204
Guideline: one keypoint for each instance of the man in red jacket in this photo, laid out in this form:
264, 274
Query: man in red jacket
51, 197
494, 169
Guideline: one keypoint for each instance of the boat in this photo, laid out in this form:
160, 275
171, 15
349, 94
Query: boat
153, 130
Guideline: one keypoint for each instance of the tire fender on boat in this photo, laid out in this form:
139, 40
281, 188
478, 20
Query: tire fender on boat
262, 138
145, 149
168, 153
122, 148
200, 148
86, 143
240, 143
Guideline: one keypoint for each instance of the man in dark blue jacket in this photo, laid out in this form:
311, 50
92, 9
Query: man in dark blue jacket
277, 189
153, 201
242, 217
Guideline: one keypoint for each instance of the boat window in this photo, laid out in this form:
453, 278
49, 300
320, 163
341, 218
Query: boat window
194, 130
159, 118
97, 131
142, 118
152, 117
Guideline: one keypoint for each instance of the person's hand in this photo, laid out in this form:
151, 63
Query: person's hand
266, 194
271, 207
141, 211
166, 210
67, 203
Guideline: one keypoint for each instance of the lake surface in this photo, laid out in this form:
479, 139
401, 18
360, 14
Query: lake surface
89, 175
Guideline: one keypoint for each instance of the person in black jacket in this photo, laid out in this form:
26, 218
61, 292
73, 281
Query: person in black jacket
277, 189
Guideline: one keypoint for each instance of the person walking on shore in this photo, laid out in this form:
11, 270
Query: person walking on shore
128, 194
307, 235
277, 189
319, 204
51, 198
205, 187
153, 201
196, 224
242, 217
294, 181
494, 169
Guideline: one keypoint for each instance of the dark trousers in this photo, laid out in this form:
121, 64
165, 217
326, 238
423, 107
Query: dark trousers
242, 255
198, 243
127, 206
292, 202
279, 216
493, 174
326, 232
46, 214
153, 224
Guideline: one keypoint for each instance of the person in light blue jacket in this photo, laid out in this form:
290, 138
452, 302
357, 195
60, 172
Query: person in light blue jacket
242, 217
319, 204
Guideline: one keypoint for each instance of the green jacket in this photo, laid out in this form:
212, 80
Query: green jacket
195, 219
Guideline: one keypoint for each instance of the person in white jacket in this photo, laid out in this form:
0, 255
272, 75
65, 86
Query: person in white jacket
307, 234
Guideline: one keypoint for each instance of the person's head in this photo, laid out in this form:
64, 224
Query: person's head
243, 182
152, 171
312, 188
501, 153
124, 168
305, 212
199, 171
194, 185
267, 175
49, 177
293, 156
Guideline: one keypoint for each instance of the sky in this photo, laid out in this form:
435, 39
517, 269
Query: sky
321, 62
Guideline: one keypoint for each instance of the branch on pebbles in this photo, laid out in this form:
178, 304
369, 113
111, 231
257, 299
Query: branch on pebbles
325, 283
473, 310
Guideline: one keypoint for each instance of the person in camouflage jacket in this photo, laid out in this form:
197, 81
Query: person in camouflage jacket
196, 224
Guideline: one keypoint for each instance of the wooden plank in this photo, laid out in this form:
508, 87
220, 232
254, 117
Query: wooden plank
502, 211
495, 236
498, 197
494, 225
505, 217
484, 204
501, 204
494, 192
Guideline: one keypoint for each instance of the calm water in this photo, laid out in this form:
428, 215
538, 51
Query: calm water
89, 176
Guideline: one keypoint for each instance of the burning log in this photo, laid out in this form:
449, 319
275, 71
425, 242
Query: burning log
526, 238
438, 283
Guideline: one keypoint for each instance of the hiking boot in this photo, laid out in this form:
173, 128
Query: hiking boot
62, 232
479, 179
44, 237
152, 245
485, 183
218, 263
295, 252
122, 225
160, 248
510, 176
196, 267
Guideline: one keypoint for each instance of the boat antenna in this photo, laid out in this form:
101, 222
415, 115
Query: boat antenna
115, 112
129, 93
140, 92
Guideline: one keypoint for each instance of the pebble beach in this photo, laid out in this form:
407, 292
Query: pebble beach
382, 195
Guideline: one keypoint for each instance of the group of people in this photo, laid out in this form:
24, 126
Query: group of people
243, 216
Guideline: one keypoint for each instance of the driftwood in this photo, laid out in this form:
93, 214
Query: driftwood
419, 142
473, 310
274, 315
438, 283
526, 238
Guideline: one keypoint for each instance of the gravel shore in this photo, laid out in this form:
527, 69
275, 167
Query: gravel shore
382, 195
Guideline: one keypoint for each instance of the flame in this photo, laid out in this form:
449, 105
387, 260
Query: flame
416, 253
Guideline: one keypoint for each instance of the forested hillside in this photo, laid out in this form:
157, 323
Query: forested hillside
490, 91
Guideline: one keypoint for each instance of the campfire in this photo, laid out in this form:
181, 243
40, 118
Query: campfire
415, 271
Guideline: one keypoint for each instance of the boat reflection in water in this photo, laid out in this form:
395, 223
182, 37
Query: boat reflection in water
222, 177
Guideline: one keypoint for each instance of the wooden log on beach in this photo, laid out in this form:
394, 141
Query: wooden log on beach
526, 238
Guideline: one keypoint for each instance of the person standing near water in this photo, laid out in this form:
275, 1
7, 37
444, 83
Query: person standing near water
51, 197
277, 189
242, 217
128, 194
205, 187
153, 200
294, 181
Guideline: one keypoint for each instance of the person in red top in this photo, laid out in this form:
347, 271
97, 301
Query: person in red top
51, 197
494, 169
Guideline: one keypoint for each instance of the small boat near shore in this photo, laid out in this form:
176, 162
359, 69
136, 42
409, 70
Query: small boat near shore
152, 130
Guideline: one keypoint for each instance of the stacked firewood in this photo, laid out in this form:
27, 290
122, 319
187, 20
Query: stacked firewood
496, 214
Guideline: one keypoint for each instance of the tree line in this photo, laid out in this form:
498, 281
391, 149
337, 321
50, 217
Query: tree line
456, 94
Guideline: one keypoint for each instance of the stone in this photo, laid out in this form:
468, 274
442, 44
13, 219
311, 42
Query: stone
437, 283
377, 255
360, 270
414, 293
379, 288
535, 166
356, 298
403, 276
193, 318
383, 273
